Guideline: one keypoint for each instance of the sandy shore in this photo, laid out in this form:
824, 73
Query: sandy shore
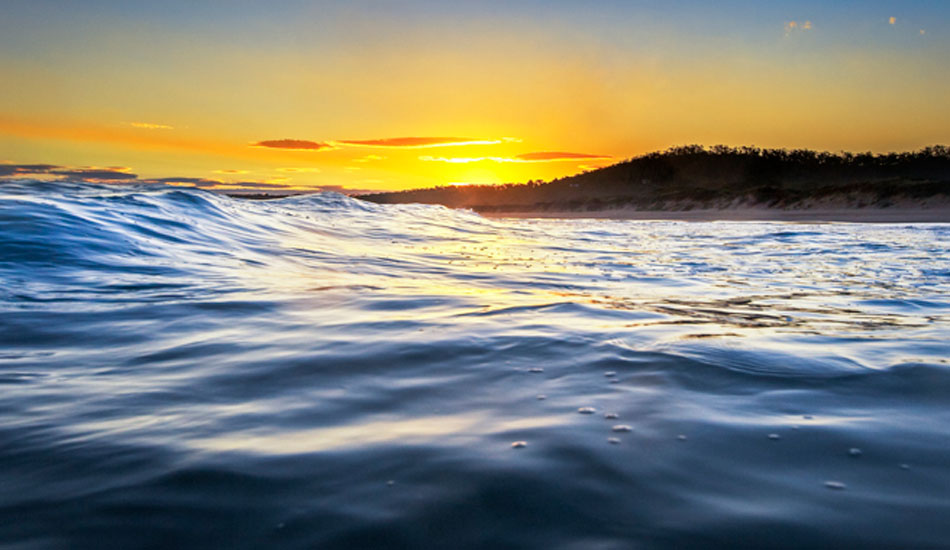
853, 215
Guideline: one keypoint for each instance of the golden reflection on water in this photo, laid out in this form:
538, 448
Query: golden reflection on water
447, 429
480, 265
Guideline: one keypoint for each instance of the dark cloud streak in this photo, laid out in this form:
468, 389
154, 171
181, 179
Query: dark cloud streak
95, 174
83, 174
292, 144
26, 169
417, 142
121, 176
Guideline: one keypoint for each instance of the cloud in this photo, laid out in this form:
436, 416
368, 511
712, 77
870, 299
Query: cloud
342, 190
793, 26
549, 156
91, 174
7, 170
389, 143
369, 158
222, 186
892, 20
96, 174
258, 185
292, 170
541, 156
121, 175
292, 145
197, 182
464, 160
420, 142
150, 126
231, 171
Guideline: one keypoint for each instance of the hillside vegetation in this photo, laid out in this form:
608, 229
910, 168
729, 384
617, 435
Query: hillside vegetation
693, 176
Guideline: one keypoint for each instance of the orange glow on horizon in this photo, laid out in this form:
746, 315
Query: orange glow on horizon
437, 93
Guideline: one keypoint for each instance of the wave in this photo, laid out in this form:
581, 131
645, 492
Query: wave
322, 371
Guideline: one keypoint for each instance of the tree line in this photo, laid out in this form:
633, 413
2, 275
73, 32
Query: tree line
698, 174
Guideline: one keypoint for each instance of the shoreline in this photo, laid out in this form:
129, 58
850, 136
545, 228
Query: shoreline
939, 214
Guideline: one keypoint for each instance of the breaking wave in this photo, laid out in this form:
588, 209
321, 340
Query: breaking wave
181, 368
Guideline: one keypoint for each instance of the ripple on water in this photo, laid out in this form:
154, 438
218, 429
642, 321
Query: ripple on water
321, 372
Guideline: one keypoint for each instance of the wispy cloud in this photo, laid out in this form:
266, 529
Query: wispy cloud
196, 182
541, 156
292, 170
218, 185
386, 143
96, 174
256, 185
369, 158
793, 26
231, 171
7, 170
223, 186
551, 156
83, 173
293, 145
420, 142
151, 126
340, 189
121, 175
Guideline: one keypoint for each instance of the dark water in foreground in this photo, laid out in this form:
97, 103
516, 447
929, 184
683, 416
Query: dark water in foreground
179, 369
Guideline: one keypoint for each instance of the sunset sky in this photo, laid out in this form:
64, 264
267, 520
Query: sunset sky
387, 95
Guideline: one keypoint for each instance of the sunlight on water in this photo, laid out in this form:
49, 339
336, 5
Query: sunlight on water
177, 361
461, 429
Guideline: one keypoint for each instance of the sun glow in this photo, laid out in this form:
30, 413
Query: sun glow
508, 95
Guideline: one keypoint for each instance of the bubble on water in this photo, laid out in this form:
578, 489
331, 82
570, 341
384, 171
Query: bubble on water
610, 373
536, 369
775, 437
611, 416
613, 440
587, 410
681, 437
836, 485
854, 451
542, 397
621, 428
519, 444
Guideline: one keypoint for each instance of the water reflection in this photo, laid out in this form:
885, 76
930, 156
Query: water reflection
181, 364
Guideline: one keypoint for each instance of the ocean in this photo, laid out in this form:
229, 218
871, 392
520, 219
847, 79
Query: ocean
180, 369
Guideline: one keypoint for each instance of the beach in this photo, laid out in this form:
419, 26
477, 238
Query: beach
819, 215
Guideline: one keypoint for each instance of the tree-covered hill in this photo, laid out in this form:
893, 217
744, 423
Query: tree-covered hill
716, 177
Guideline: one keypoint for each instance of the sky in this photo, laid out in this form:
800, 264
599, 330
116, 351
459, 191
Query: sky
360, 96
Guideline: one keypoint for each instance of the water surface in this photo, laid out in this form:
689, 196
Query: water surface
181, 369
